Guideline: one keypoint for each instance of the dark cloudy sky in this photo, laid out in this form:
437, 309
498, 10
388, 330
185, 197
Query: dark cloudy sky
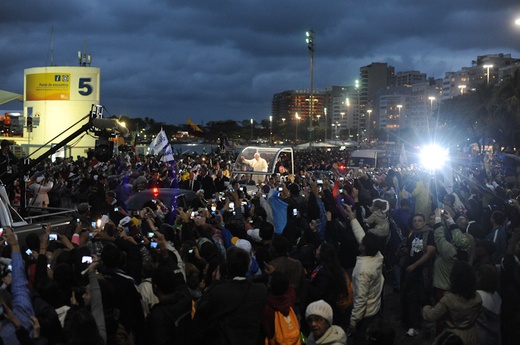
212, 60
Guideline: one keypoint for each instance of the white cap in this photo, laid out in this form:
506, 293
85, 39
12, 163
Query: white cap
254, 234
244, 244
320, 308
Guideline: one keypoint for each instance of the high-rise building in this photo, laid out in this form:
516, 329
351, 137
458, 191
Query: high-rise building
375, 76
456, 83
342, 103
409, 78
286, 104
492, 63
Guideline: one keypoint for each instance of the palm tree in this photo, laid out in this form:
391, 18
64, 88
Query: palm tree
482, 113
507, 100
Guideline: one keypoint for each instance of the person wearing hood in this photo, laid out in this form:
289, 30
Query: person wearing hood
319, 318
367, 279
281, 298
459, 307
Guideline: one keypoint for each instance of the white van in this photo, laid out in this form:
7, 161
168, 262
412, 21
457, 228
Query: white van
368, 158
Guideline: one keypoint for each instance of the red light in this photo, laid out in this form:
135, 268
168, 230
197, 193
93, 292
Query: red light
342, 167
155, 191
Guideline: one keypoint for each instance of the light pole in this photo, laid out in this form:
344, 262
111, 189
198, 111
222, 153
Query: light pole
271, 130
399, 106
310, 46
318, 116
347, 103
283, 128
431, 98
487, 67
297, 117
251, 130
326, 124
369, 111
359, 129
336, 125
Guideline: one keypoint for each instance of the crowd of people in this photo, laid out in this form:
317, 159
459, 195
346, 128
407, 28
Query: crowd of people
293, 257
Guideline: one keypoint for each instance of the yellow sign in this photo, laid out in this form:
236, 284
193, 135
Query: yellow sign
47, 86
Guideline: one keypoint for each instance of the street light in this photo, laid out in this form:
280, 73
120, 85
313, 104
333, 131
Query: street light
369, 111
251, 130
431, 98
399, 106
347, 103
310, 46
297, 117
271, 130
462, 87
336, 125
487, 67
326, 124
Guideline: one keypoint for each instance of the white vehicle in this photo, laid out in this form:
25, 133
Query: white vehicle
254, 164
367, 158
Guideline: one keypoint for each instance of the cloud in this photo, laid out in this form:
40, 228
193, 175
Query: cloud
226, 59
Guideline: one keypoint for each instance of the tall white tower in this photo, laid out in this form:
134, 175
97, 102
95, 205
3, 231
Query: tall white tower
59, 97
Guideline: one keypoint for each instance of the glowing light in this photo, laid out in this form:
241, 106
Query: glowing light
434, 157
155, 191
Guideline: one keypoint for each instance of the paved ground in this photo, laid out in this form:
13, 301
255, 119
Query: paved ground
391, 314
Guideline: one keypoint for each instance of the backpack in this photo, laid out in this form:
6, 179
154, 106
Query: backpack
286, 329
344, 301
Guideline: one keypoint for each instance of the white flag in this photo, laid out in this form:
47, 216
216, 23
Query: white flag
160, 141
168, 154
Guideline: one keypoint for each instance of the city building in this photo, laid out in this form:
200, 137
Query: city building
343, 111
373, 77
288, 104
409, 78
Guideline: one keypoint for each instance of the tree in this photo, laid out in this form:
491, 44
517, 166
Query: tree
507, 100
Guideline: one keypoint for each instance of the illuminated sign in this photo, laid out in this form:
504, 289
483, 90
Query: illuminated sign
47, 86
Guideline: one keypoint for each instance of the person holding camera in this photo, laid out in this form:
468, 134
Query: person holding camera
116, 208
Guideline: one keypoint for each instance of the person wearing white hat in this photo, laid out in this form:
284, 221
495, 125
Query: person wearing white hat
257, 164
41, 186
319, 318
254, 268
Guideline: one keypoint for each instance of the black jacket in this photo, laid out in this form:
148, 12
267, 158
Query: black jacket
230, 313
169, 321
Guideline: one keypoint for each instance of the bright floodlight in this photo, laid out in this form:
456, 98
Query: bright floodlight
433, 157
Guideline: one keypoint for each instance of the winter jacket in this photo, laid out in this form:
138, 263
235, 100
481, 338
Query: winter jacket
169, 321
447, 255
229, 313
335, 335
460, 315
378, 222
367, 280
488, 321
